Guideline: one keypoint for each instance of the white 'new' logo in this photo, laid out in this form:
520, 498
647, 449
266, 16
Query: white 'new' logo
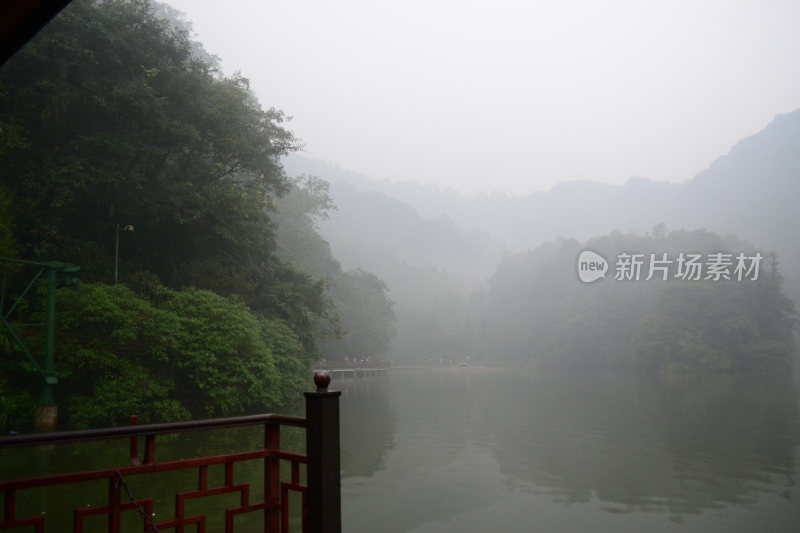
591, 266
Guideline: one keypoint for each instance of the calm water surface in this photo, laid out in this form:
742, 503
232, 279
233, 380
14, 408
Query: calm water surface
480, 450
472, 450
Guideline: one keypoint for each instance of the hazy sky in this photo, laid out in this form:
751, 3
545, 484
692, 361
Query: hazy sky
513, 96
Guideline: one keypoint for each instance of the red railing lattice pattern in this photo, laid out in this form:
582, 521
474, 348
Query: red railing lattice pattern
274, 505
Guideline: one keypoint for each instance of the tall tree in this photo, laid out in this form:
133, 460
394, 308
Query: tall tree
130, 127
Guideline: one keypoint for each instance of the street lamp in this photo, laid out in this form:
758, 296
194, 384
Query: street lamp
116, 250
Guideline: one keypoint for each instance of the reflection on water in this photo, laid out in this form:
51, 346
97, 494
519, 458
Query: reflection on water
368, 422
465, 450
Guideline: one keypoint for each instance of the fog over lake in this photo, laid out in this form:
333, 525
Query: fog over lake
469, 450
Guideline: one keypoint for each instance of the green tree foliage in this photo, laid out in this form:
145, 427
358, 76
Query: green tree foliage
365, 314
718, 326
364, 318
297, 215
16, 404
538, 310
6, 224
181, 354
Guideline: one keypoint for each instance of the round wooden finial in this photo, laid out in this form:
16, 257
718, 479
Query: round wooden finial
322, 379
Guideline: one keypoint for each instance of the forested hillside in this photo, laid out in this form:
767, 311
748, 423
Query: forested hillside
116, 129
676, 321
364, 311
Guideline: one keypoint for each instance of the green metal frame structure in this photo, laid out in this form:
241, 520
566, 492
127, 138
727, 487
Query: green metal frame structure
51, 268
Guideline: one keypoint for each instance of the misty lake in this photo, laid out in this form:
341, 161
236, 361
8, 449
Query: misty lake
473, 450
477, 450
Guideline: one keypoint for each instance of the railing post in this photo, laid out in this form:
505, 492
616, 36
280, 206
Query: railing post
272, 479
322, 450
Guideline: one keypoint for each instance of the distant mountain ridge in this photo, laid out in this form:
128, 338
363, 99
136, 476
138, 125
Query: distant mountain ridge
753, 191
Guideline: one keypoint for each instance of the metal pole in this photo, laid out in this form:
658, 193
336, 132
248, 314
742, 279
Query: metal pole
116, 255
322, 450
46, 417
49, 363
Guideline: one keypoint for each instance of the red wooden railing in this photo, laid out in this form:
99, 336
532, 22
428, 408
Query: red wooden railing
320, 494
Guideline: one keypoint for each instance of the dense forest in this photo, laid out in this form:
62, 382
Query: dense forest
538, 311
117, 130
